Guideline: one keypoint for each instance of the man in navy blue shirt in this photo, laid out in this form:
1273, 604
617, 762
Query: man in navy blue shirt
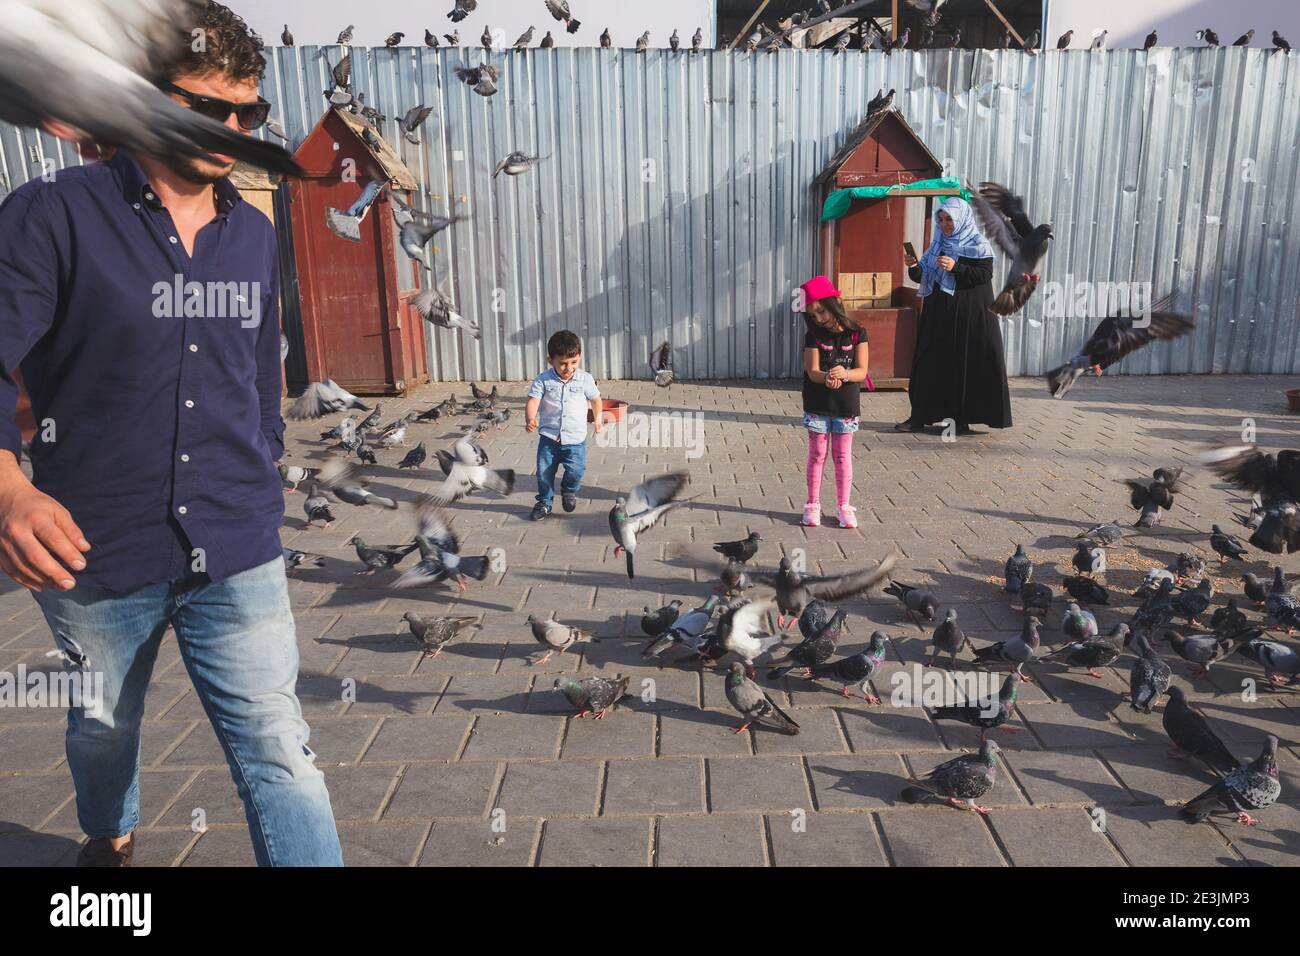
140, 300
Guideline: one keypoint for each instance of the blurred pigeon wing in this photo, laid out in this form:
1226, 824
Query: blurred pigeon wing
655, 492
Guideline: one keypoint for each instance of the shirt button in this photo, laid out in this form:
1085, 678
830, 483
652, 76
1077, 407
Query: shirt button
188, 403
148, 195
135, 205
172, 240
185, 457
194, 348
182, 510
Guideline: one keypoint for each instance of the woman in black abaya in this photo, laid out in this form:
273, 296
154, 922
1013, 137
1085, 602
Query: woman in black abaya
959, 370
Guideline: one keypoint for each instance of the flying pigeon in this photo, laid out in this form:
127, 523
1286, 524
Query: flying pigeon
416, 228
515, 164
1116, 337
929, 7
347, 224
438, 309
440, 557
1149, 676
560, 10
411, 122
1252, 786
985, 714
1003, 216
1016, 651
469, 474
1192, 736
556, 636
754, 705
593, 695
317, 507
946, 639
341, 72
740, 631
1275, 480
642, 509
461, 10
1019, 571
655, 623
323, 398
855, 669
435, 633
794, 591
1151, 497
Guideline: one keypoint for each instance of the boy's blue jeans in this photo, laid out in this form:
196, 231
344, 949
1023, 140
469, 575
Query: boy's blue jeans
237, 641
550, 456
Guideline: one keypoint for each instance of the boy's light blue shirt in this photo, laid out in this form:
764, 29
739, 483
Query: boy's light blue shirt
562, 414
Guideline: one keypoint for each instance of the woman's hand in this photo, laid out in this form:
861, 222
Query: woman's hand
909, 261
947, 263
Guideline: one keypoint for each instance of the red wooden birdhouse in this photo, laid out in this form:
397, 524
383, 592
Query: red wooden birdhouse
359, 326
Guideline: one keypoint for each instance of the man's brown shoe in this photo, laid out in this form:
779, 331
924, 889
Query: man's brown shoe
101, 853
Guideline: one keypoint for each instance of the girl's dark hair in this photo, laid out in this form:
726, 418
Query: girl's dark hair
835, 306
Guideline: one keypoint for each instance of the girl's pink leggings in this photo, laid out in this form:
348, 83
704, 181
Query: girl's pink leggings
841, 448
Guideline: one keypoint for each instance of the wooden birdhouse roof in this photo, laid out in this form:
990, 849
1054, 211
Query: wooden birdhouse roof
319, 158
882, 150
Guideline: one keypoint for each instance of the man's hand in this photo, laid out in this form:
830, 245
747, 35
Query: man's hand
34, 531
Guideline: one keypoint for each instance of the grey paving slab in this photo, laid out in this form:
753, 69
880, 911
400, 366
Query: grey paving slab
1054, 836
825, 839
666, 785
720, 840
455, 843
938, 836
596, 842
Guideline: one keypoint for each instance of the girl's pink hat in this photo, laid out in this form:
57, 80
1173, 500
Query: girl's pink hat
819, 287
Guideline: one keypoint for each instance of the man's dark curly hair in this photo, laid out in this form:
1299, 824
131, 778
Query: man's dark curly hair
230, 48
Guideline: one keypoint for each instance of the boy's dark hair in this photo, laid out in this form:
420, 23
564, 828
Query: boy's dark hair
563, 344
229, 48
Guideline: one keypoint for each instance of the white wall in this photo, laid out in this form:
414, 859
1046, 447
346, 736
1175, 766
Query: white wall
1176, 21
319, 21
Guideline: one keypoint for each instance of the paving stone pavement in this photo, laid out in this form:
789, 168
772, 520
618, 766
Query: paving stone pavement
471, 758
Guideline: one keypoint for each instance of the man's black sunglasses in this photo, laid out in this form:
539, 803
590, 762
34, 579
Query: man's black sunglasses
249, 115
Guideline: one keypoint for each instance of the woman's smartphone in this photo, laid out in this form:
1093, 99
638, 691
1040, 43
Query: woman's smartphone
909, 249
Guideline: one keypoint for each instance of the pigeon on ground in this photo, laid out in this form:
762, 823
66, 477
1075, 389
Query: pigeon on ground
754, 705
291, 476
1078, 624
655, 623
1278, 660
661, 365
556, 636
794, 591
1227, 546
946, 639
414, 458
816, 614
365, 453
1036, 599
1192, 736
435, 633
916, 601
1192, 603
1017, 651
1117, 336
688, 630
1151, 583
1089, 559
593, 695
812, 651
353, 491
986, 714
1254, 588
1019, 571
1095, 651
92, 65
1086, 590
515, 164
961, 781
293, 560
741, 550
461, 10
379, 558
1107, 534
1149, 676
1252, 786
733, 580
317, 507
482, 78
855, 669
1157, 610
642, 509
1005, 222
323, 398
1189, 567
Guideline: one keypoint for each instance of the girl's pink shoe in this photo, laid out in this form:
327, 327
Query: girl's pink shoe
848, 517
812, 515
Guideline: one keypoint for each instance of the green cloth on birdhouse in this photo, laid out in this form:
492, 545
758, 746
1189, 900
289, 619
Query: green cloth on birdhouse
838, 202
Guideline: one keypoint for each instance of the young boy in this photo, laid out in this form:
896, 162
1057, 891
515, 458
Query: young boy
557, 410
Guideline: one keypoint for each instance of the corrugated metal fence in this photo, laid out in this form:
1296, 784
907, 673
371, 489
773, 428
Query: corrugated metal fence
674, 199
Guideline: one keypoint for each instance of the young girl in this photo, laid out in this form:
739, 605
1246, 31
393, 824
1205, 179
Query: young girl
834, 368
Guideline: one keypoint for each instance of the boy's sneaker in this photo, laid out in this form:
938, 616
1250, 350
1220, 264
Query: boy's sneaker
848, 517
812, 515
540, 511
569, 501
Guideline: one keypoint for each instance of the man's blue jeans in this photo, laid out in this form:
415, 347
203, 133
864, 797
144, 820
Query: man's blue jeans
550, 456
238, 643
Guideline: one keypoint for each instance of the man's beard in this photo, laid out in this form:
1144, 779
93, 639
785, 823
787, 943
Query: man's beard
189, 170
